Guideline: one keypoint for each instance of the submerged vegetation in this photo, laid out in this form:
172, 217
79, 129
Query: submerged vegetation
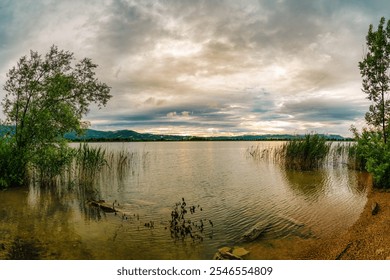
181, 226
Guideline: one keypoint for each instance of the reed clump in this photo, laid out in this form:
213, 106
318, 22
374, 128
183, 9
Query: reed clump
305, 154
89, 161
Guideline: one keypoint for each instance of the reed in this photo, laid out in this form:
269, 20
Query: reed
305, 154
89, 162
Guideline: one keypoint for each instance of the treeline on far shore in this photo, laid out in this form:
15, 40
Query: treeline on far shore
196, 139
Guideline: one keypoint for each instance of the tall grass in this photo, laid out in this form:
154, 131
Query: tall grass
310, 152
89, 161
305, 154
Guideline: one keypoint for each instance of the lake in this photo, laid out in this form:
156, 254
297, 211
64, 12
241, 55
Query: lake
228, 192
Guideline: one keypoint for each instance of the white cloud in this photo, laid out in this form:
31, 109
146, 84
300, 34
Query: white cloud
207, 66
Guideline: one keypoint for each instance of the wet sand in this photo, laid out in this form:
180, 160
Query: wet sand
367, 239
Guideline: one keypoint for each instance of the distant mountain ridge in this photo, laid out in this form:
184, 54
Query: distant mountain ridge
130, 135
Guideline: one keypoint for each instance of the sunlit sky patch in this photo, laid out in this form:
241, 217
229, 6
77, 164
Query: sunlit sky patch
208, 67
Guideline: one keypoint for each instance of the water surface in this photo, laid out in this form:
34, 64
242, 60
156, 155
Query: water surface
232, 189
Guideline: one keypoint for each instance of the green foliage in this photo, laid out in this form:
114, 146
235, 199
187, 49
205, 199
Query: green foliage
356, 161
376, 156
373, 149
52, 160
46, 97
305, 154
11, 173
375, 71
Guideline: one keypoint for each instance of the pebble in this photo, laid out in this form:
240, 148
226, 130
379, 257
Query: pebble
240, 252
380, 251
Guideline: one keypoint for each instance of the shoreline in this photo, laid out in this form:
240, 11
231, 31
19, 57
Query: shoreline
367, 239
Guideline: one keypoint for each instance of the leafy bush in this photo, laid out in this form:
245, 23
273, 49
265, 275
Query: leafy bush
52, 160
12, 165
376, 155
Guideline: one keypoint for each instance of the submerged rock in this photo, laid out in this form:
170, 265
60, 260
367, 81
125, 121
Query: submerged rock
258, 229
277, 227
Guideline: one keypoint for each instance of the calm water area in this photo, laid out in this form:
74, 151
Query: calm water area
224, 184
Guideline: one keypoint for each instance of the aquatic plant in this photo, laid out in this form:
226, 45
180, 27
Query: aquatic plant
22, 249
89, 161
181, 227
305, 153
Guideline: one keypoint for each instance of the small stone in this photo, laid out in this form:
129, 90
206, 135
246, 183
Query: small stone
225, 250
374, 208
240, 252
380, 251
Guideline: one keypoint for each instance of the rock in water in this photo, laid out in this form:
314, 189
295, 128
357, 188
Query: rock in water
240, 252
258, 229
224, 250
374, 208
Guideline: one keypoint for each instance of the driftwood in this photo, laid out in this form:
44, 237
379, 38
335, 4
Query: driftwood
343, 251
106, 207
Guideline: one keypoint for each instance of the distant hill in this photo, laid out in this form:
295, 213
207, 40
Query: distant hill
130, 135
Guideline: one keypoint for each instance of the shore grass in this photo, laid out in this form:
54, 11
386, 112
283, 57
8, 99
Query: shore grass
307, 153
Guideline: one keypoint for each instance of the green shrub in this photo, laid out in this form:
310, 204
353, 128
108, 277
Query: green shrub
375, 153
51, 160
13, 165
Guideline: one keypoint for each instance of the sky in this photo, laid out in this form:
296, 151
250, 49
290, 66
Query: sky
207, 68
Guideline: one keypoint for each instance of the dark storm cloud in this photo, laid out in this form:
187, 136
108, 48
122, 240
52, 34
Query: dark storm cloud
322, 110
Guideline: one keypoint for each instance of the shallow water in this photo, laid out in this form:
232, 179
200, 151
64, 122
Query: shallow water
233, 190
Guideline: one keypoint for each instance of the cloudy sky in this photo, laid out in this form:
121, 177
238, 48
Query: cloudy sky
208, 67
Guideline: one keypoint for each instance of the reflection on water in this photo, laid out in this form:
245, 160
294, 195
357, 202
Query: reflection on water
216, 178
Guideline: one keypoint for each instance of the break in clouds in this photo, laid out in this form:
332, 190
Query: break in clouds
208, 67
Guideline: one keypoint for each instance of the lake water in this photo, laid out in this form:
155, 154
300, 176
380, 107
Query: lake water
226, 186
